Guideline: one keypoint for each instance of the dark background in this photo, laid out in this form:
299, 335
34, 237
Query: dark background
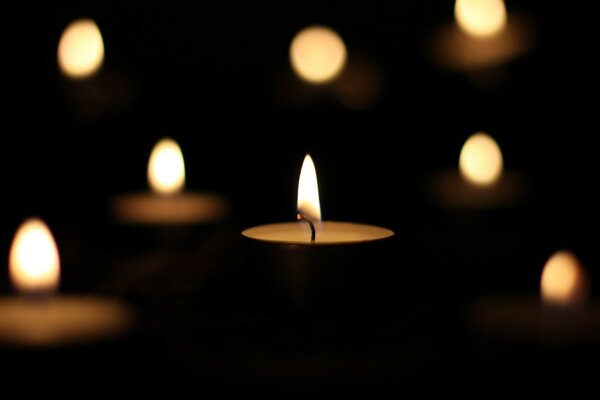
215, 76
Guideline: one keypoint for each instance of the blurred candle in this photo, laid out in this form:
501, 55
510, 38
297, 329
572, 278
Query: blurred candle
168, 203
41, 318
481, 181
94, 89
81, 49
361, 84
561, 314
483, 35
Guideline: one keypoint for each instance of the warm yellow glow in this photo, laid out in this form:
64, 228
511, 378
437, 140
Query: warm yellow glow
81, 49
166, 171
563, 281
33, 261
480, 159
318, 54
308, 191
480, 18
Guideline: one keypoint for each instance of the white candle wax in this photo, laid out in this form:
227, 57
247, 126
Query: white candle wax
327, 232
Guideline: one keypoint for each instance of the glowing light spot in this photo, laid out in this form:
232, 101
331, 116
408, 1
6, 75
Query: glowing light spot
81, 49
318, 54
480, 159
166, 170
480, 18
33, 261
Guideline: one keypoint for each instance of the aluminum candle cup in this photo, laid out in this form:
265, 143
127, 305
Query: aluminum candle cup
346, 264
314, 263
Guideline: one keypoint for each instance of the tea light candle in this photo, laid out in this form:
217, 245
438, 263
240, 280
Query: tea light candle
484, 35
306, 259
563, 317
480, 182
168, 204
41, 319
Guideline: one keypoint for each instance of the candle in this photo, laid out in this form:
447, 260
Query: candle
484, 35
39, 318
92, 90
312, 262
559, 316
168, 204
480, 182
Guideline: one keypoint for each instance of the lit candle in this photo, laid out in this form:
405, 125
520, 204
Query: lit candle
306, 259
480, 181
93, 91
40, 318
484, 35
560, 315
168, 204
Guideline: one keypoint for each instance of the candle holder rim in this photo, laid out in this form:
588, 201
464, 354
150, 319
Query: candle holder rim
386, 234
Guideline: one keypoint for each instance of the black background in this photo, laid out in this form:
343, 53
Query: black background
215, 76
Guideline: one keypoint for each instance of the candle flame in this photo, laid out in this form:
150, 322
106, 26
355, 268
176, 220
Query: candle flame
33, 261
480, 18
318, 54
166, 170
80, 49
480, 159
308, 191
563, 281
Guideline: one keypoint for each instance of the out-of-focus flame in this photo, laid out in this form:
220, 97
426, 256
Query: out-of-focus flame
80, 49
480, 159
480, 18
563, 281
33, 261
318, 54
308, 191
166, 170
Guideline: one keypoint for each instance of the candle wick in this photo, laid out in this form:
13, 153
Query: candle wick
301, 217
